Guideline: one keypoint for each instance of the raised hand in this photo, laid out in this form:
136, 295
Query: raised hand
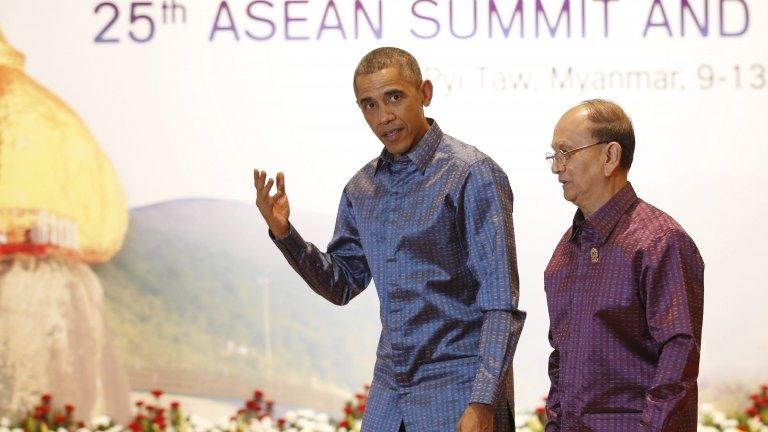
274, 208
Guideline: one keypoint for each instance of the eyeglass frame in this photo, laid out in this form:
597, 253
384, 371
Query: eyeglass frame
564, 155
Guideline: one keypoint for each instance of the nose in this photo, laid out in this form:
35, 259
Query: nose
385, 115
557, 167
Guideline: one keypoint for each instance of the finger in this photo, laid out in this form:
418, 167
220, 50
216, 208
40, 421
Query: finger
261, 175
268, 187
259, 184
280, 182
255, 176
278, 198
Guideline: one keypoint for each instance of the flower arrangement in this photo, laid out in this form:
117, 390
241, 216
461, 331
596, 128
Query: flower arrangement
257, 415
46, 417
755, 418
154, 417
354, 410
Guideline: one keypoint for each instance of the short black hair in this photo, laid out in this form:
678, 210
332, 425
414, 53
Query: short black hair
386, 57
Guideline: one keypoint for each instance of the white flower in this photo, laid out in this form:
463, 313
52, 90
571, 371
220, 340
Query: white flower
706, 409
5, 422
720, 419
101, 421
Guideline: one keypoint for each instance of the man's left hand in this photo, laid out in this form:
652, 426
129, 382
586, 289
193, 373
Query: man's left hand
476, 418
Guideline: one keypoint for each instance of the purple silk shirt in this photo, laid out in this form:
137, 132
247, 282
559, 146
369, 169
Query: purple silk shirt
625, 293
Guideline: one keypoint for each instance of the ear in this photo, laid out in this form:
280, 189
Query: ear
612, 157
426, 92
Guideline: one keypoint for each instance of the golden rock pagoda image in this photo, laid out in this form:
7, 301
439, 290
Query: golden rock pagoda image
61, 208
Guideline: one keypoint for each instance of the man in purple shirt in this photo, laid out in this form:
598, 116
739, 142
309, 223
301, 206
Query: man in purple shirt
625, 291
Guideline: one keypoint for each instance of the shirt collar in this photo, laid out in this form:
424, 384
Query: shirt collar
604, 220
421, 154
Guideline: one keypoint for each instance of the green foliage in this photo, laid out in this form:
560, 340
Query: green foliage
188, 292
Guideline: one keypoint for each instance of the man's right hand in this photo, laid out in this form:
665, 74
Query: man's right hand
275, 208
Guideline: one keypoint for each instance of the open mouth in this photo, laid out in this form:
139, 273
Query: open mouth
391, 135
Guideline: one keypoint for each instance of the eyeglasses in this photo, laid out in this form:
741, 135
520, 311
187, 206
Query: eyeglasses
561, 157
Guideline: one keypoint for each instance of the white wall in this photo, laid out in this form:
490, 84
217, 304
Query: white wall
184, 116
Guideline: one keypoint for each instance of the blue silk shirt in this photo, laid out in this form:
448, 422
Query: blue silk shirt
433, 229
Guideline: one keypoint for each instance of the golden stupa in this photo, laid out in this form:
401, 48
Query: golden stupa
58, 190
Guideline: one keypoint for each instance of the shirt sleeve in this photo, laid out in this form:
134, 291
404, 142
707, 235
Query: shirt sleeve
485, 218
340, 273
673, 283
553, 399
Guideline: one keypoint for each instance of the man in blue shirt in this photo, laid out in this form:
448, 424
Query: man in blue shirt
430, 220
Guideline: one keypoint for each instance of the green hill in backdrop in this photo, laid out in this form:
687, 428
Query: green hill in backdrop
201, 302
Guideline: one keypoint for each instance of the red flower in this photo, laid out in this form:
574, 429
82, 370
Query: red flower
252, 405
541, 410
764, 388
280, 422
81, 425
159, 420
362, 407
135, 427
752, 412
157, 393
360, 396
348, 410
139, 404
69, 408
59, 419
270, 404
46, 398
344, 424
175, 405
257, 395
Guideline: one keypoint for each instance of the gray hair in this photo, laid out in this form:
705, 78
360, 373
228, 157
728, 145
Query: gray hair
610, 123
